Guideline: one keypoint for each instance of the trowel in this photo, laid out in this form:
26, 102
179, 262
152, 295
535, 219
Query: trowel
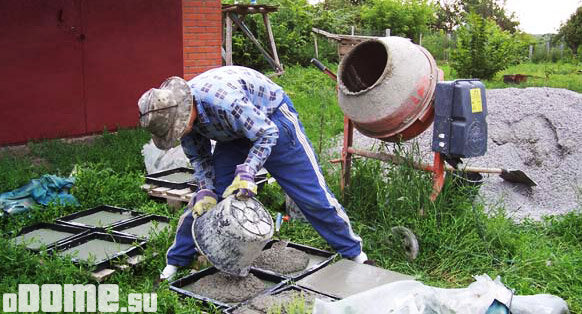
278, 222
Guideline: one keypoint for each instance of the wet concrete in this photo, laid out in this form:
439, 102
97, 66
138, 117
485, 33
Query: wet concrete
147, 229
228, 288
34, 240
282, 260
280, 302
346, 278
102, 218
177, 177
96, 250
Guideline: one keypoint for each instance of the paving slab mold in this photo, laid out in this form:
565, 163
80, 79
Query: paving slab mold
177, 178
346, 278
100, 217
99, 249
144, 227
46, 235
278, 299
187, 287
317, 259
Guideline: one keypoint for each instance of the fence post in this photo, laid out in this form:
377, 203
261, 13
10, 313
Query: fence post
547, 50
448, 49
530, 52
387, 32
315, 43
353, 30
420, 39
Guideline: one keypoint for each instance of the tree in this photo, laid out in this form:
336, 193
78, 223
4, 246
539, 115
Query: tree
484, 49
448, 15
452, 13
571, 31
406, 18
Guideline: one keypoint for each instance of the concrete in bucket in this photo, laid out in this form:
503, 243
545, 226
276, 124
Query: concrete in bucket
386, 87
233, 234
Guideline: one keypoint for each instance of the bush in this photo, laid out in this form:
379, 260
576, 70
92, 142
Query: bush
483, 49
439, 44
291, 26
403, 18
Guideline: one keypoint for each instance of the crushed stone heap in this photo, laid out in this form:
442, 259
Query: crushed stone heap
536, 130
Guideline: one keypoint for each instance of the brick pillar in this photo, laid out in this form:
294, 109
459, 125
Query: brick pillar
202, 31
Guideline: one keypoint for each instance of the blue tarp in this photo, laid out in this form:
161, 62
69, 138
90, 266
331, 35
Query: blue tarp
47, 189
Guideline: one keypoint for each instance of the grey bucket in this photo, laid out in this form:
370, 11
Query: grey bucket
233, 233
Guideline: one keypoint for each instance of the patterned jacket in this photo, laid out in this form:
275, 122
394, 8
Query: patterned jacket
233, 102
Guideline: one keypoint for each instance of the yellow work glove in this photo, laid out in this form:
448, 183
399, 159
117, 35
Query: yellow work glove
243, 183
203, 200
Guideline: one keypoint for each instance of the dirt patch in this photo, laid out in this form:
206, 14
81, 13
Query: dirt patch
282, 259
227, 288
292, 300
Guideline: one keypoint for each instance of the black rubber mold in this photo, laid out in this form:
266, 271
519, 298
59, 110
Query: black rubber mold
278, 291
324, 257
178, 286
155, 179
136, 249
75, 231
121, 227
68, 220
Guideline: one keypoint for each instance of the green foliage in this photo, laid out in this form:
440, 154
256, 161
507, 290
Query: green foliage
571, 31
439, 44
406, 18
483, 49
453, 13
561, 75
291, 26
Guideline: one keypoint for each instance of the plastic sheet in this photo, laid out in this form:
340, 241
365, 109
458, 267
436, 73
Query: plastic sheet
413, 297
157, 160
46, 189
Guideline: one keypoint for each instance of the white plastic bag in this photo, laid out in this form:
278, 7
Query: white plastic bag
157, 160
538, 304
413, 297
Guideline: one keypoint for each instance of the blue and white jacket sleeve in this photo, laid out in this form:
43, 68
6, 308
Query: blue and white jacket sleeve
197, 149
253, 124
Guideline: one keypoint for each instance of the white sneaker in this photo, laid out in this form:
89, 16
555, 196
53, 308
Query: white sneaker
169, 272
361, 258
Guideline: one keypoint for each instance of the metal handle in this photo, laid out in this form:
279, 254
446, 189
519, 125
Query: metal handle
318, 64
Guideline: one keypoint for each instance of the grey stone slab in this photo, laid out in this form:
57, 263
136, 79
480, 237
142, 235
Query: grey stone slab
346, 278
102, 218
96, 250
147, 229
36, 239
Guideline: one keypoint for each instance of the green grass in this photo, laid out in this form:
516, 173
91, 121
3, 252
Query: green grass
456, 239
557, 75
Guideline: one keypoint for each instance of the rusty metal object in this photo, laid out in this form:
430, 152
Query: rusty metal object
515, 78
386, 87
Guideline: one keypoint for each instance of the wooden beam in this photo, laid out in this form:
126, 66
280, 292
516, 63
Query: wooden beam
271, 40
252, 37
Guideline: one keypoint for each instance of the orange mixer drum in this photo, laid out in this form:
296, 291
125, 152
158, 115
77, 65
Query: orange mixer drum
386, 87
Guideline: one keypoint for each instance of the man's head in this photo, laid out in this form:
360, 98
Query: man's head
166, 111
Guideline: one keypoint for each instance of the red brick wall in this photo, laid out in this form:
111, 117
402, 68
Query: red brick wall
202, 20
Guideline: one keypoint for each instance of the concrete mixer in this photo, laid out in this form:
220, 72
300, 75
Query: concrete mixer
391, 89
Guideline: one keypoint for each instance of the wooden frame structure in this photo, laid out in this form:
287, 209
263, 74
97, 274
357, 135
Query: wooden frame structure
346, 42
233, 15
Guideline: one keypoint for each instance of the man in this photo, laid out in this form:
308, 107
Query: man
254, 125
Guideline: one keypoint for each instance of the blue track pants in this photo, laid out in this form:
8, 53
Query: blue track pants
294, 165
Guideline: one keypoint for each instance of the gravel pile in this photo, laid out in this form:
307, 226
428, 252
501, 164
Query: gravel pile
536, 130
